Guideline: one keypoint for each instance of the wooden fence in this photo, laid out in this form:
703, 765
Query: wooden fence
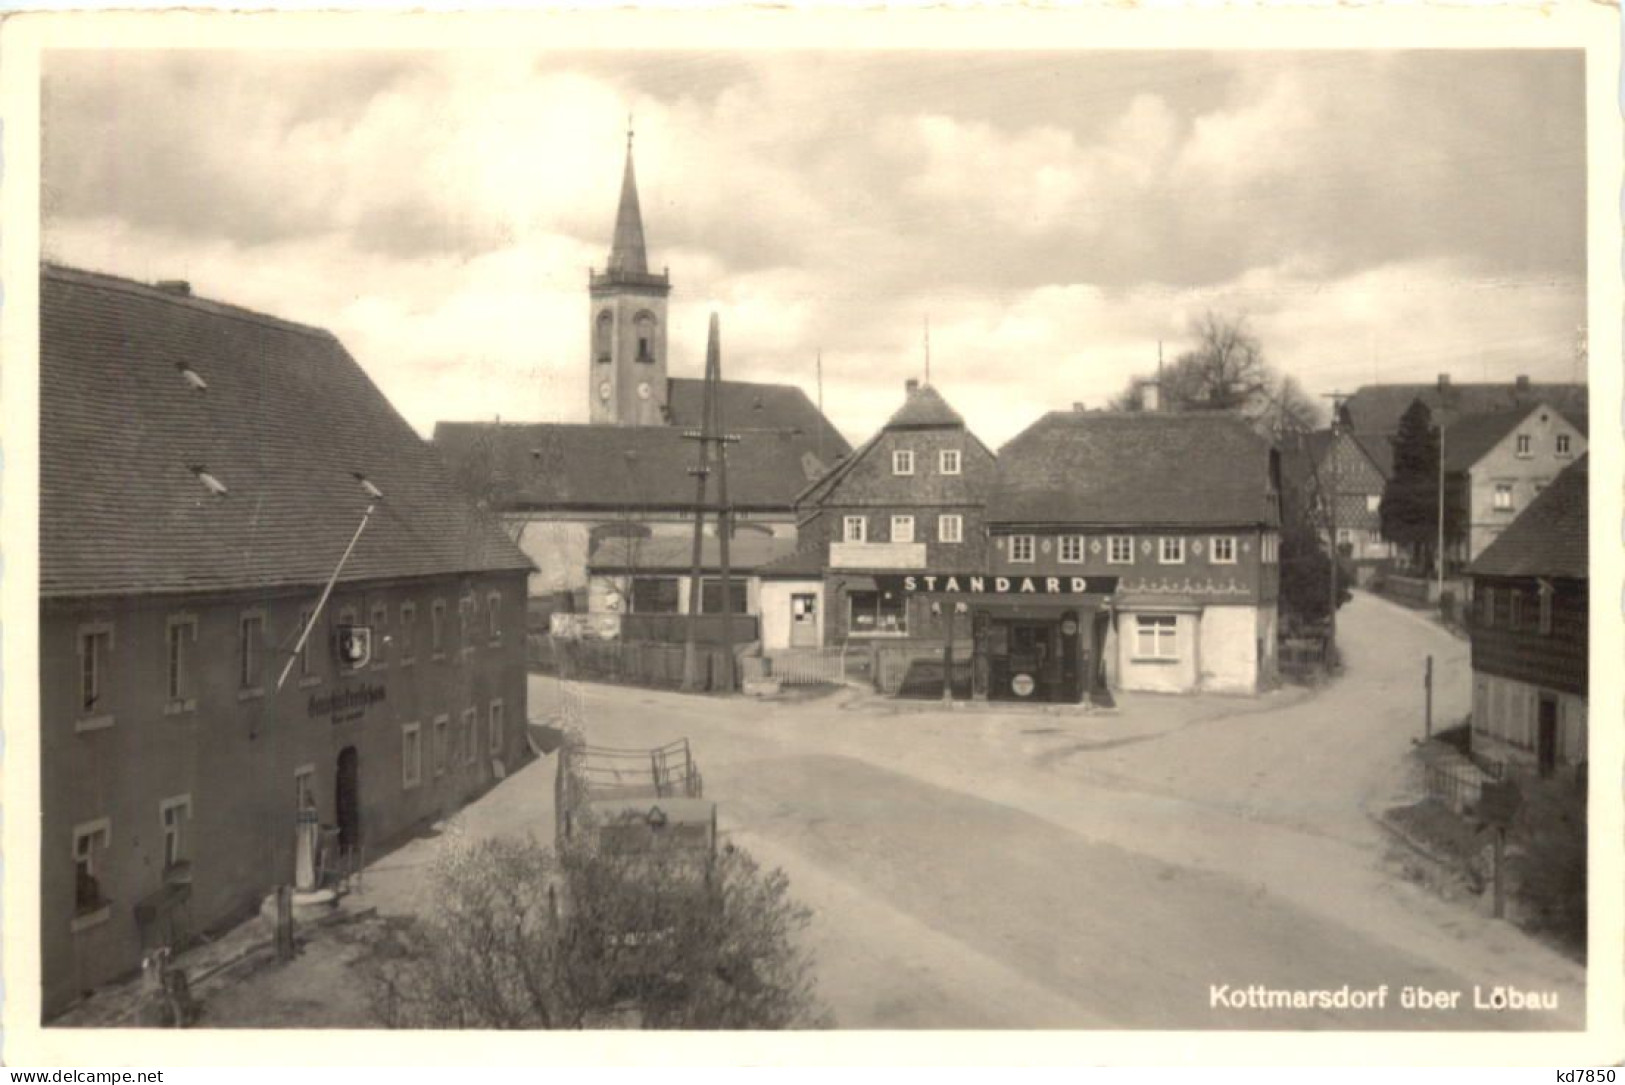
629, 663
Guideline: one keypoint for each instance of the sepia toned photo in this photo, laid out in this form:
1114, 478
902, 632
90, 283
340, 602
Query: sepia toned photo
634, 536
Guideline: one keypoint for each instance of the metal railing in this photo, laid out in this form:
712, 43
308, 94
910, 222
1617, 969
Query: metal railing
809, 666
1459, 783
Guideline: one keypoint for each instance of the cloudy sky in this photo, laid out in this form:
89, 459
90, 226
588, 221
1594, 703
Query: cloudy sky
1376, 216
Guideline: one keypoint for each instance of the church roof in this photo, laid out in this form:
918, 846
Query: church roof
627, 251
1549, 538
751, 405
151, 399
542, 465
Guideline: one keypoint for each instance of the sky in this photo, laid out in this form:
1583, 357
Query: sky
1373, 216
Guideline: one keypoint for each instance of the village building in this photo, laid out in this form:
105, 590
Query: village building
1141, 551
563, 487
1495, 464
1326, 462
205, 470
909, 500
1529, 633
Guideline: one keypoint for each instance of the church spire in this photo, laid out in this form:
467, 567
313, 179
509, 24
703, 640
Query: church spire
627, 252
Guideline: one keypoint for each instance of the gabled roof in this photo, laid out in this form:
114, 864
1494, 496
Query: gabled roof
751, 405
1549, 538
747, 551
924, 408
286, 421
1468, 439
1376, 408
1111, 468
618, 468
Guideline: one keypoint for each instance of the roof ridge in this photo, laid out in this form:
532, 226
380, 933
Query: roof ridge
103, 280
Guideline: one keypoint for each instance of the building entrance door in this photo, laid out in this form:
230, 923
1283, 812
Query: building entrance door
1547, 738
804, 621
347, 799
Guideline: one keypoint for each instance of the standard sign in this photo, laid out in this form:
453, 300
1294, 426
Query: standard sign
963, 584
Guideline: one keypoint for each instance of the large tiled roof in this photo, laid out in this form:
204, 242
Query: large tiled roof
1549, 537
747, 551
1468, 439
924, 408
286, 423
1107, 468
750, 405
538, 465
1373, 412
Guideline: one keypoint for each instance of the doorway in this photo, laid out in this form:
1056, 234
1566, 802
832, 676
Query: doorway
1547, 737
803, 620
347, 799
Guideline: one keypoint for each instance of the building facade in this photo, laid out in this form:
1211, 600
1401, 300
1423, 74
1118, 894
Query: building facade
203, 470
1529, 628
1171, 524
1495, 465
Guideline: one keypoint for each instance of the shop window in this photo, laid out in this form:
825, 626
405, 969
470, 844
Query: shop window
948, 461
497, 712
951, 528
1156, 636
91, 842
1503, 497
711, 596
902, 529
442, 738
655, 595
854, 529
902, 461
175, 820
1223, 549
875, 612
95, 650
1021, 549
1071, 549
411, 755
178, 681
1120, 550
1172, 551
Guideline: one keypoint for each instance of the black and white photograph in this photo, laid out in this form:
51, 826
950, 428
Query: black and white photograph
565, 533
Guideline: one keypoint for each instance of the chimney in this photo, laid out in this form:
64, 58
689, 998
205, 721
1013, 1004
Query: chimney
1151, 395
1444, 382
1523, 384
179, 287
911, 386
1078, 408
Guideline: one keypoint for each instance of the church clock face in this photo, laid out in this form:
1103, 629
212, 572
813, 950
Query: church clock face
643, 390
603, 391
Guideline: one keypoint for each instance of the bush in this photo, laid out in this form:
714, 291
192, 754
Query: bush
518, 937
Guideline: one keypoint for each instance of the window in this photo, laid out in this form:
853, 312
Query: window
1503, 497
902, 462
1156, 636
876, 613
182, 634
602, 330
1545, 608
380, 641
1270, 548
496, 727
951, 528
90, 845
437, 628
655, 595
644, 325
1514, 609
95, 644
493, 617
711, 596
902, 529
442, 736
1120, 550
307, 651
470, 737
1021, 548
854, 529
409, 624
1564, 448
250, 650
948, 461
1373, 502
465, 623
1172, 551
304, 788
174, 820
1223, 550
1345, 536
1071, 549
411, 756
1523, 445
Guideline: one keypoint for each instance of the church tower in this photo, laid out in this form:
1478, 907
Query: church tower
627, 373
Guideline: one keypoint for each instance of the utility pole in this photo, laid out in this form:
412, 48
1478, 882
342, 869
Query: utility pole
710, 433
1337, 399
1444, 388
